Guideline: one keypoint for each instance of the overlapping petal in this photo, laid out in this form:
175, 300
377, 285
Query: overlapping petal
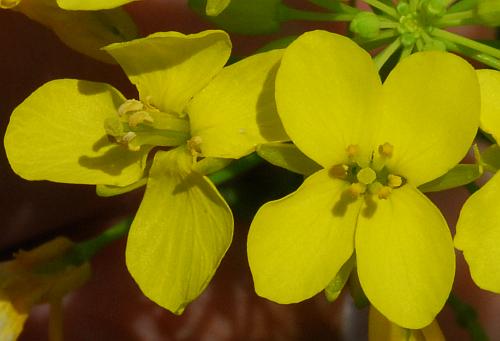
478, 235
430, 114
489, 83
180, 233
85, 31
297, 244
168, 68
91, 4
58, 134
11, 320
405, 258
326, 90
237, 110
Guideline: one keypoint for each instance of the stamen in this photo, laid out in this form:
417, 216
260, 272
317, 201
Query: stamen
139, 117
194, 144
384, 192
130, 105
366, 176
339, 171
394, 181
356, 189
385, 150
352, 151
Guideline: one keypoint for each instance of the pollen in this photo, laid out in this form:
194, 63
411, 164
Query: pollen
356, 189
339, 171
352, 150
384, 192
394, 181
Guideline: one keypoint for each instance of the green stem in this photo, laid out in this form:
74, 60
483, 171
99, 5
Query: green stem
391, 11
466, 317
386, 53
84, 251
462, 5
469, 43
486, 59
406, 52
286, 13
457, 16
242, 165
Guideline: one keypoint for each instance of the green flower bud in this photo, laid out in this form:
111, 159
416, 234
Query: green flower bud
366, 25
243, 16
488, 12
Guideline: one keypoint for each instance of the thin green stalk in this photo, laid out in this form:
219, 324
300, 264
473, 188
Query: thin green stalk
391, 11
458, 15
407, 50
486, 59
381, 58
466, 317
286, 13
234, 169
469, 43
462, 5
84, 251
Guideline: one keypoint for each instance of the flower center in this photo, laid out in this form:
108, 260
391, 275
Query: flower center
371, 179
140, 123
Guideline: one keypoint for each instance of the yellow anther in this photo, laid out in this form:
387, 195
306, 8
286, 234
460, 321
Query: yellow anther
386, 150
130, 105
339, 171
352, 150
394, 181
356, 189
384, 192
139, 117
194, 146
366, 176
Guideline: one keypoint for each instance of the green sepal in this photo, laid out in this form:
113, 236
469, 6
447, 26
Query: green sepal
111, 191
488, 12
334, 288
460, 175
215, 7
243, 16
286, 155
490, 158
356, 291
211, 165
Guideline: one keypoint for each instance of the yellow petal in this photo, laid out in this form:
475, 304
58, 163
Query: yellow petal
11, 321
489, 83
405, 258
237, 110
180, 233
297, 244
478, 235
168, 68
288, 156
84, 31
326, 92
430, 114
58, 134
91, 4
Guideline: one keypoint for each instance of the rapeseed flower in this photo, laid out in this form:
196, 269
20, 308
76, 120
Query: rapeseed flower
478, 227
376, 143
86, 132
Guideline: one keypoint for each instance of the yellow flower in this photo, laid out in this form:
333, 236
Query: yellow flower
27, 280
376, 143
478, 227
84, 132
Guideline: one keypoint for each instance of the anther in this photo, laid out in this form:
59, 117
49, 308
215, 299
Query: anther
130, 105
356, 189
384, 192
352, 150
138, 118
394, 181
385, 150
339, 171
